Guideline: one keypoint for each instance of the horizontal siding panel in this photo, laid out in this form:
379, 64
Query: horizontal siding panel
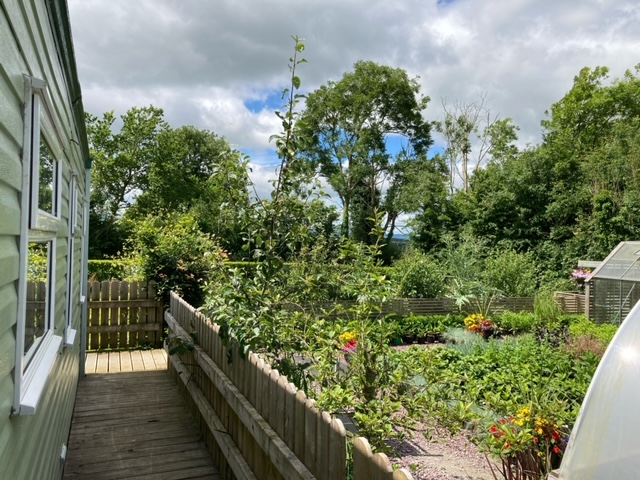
6, 427
7, 360
16, 17
52, 70
51, 422
11, 167
11, 114
11, 62
9, 211
9, 260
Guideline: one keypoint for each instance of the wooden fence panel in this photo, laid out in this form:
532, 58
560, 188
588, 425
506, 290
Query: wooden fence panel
134, 313
370, 466
261, 411
36, 312
94, 316
412, 306
123, 315
572, 302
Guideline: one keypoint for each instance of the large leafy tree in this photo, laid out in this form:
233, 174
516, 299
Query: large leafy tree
120, 171
344, 130
197, 171
575, 195
121, 159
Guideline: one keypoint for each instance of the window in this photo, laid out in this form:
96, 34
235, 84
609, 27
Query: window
37, 344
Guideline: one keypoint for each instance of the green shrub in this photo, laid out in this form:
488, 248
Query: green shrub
416, 275
424, 325
516, 322
174, 252
583, 327
513, 274
121, 269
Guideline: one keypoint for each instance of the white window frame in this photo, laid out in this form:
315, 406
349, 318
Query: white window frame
33, 367
70, 332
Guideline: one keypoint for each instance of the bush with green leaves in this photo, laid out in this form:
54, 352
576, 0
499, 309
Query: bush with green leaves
516, 322
513, 274
114, 269
417, 275
172, 250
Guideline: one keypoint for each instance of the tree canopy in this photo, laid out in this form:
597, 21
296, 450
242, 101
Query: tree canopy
345, 128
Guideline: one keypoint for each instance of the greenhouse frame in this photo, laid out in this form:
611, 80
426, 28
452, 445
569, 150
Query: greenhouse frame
614, 287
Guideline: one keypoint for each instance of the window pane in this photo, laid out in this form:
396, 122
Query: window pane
37, 299
46, 198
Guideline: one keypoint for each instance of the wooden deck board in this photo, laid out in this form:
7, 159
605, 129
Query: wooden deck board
126, 361
134, 425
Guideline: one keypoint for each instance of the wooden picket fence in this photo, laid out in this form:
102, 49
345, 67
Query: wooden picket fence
124, 315
254, 421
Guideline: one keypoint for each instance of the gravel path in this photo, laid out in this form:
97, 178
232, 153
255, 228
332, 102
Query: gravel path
442, 457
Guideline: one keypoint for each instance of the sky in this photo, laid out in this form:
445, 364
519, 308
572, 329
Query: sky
221, 65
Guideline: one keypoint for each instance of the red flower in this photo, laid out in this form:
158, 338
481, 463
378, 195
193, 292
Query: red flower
557, 450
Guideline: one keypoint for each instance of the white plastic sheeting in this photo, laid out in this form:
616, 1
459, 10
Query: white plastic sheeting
605, 441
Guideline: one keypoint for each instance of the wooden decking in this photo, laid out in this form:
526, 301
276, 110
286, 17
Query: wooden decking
128, 361
131, 423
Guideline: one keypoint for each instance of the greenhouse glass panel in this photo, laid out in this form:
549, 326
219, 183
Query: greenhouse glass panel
604, 442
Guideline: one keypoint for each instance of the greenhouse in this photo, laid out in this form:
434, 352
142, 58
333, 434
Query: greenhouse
604, 441
614, 287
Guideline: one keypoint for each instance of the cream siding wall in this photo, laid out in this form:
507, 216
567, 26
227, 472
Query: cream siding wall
30, 446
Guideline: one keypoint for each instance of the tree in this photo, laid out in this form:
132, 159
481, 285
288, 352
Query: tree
344, 130
121, 160
120, 171
471, 126
196, 171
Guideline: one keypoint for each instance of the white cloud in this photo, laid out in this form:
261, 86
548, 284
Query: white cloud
201, 61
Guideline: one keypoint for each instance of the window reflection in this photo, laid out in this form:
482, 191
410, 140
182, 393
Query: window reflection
46, 199
38, 273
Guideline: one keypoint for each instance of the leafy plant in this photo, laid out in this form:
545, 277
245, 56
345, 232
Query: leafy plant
418, 276
174, 252
516, 322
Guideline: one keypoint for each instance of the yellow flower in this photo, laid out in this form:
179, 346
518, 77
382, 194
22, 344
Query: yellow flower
347, 337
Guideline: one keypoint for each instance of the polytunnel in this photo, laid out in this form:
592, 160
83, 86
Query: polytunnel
605, 441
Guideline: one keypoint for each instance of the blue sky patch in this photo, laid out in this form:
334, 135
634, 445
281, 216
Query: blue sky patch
270, 100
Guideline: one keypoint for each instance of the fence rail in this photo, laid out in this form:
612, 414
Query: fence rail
255, 422
416, 306
571, 302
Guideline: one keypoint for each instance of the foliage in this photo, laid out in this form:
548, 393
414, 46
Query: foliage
474, 387
464, 341
345, 127
472, 125
122, 159
120, 269
38, 264
511, 273
422, 326
418, 276
587, 337
174, 252
478, 323
146, 167
516, 322
528, 445
367, 384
